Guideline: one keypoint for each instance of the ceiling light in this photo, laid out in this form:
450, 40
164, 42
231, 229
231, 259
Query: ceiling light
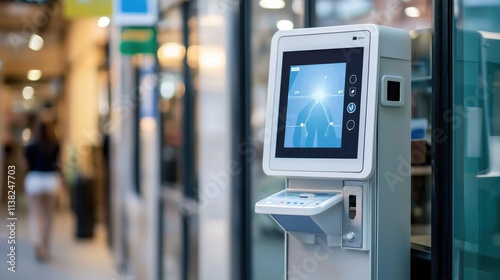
167, 87
412, 12
272, 4
36, 42
284, 24
103, 21
28, 92
212, 58
173, 51
34, 75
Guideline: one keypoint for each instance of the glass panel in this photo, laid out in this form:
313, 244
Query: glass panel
180, 224
415, 16
267, 236
171, 86
410, 15
476, 140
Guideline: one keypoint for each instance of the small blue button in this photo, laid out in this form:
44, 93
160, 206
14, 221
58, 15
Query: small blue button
351, 108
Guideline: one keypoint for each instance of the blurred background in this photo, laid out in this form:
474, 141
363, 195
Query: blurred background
158, 108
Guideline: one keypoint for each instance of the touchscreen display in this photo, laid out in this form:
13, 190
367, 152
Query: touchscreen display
319, 105
315, 106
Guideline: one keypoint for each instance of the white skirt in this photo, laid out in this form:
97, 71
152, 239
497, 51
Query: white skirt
37, 182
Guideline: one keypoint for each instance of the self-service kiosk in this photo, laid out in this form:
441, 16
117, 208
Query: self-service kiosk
338, 131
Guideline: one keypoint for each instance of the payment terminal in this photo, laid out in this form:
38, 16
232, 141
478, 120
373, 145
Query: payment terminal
338, 132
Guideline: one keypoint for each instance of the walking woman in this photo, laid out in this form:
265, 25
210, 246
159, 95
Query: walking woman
41, 184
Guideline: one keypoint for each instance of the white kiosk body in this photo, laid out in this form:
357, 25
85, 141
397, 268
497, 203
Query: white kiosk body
338, 130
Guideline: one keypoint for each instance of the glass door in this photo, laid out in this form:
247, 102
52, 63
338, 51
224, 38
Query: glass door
475, 124
178, 61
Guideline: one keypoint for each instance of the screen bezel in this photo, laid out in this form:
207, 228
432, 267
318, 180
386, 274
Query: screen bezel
290, 166
353, 67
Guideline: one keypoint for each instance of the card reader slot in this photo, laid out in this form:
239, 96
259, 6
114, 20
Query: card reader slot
352, 218
352, 207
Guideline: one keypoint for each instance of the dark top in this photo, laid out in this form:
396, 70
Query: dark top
40, 159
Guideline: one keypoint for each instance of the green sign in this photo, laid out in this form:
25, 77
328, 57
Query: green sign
135, 40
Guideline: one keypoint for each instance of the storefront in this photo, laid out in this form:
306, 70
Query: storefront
213, 59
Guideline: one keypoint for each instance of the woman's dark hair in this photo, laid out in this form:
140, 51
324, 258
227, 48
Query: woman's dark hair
45, 135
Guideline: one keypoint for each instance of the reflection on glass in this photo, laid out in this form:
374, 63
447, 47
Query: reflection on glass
476, 141
171, 87
170, 55
420, 134
180, 230
410, 15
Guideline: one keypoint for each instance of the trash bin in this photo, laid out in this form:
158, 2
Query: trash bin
83, 198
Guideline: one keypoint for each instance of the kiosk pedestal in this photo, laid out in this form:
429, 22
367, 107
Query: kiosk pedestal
339, 113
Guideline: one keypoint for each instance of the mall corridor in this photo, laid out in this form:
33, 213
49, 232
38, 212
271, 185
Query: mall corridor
71, 258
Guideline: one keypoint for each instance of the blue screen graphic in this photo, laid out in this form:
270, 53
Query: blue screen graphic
315, 106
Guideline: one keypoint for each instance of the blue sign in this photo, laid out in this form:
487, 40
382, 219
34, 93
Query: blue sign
134, 6
135, 12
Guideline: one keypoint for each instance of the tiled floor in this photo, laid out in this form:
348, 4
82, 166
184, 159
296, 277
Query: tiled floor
71, 258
